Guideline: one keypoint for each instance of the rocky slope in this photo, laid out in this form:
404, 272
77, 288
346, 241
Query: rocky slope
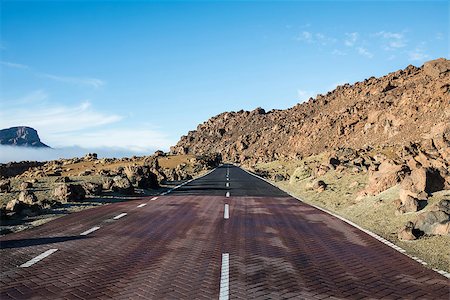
395, 109
21, 136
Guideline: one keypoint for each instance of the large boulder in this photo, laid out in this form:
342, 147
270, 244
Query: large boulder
92, 188
436, 67
122, 185
388, 175
25, 185
433, 222
423, 180
107, 183
406, 233
69, 193
407, 204
22, 208
142, 177
5, 186
27, 197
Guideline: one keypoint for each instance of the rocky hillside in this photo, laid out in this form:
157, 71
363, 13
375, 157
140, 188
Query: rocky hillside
395, 109
20, 136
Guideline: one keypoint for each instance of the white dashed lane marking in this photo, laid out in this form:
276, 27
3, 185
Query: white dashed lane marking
227, 194
90, 230
154, 198
224, 291
38, 258
227, 184
226, 212
119, 216
142, 205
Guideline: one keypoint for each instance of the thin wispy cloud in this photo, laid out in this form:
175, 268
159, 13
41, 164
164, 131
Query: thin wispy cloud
81, 81
338, 52
13, 65
80, 125
391, 40
92, 82
50, 117
36, 97
364, 52
418, 54
351, 38
315, 38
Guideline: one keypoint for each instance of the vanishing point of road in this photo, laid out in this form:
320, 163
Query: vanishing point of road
227, 235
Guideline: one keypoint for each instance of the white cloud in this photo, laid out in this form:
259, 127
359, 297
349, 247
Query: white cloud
439, 36
93, 82
418, 54
338, 52
315, 38
14, 65
53, 117
79, 125
132, 139
392, 40
351, 39
364, 52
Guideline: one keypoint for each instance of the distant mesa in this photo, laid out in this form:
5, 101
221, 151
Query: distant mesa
21, 136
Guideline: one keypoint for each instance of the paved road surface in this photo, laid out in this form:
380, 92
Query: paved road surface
217, 237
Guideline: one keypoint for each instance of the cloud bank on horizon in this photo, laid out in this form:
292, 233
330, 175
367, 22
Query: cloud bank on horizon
135, 76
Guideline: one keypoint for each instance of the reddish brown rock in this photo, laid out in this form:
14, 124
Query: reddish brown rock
69, 192
432, 222
406, 233
373, 112
388, 175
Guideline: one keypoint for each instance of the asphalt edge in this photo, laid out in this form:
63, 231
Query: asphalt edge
372, 234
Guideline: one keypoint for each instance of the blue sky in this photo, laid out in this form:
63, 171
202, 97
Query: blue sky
138, 75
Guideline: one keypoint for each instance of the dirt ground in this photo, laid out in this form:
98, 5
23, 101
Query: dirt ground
376, 213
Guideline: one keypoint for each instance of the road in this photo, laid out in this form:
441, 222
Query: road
227, 235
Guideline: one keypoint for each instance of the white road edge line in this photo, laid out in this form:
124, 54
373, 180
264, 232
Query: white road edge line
154, 198
372, 234
38, 258
90, 230
142, 205
226, 212
119, 216
227, 194
224, 292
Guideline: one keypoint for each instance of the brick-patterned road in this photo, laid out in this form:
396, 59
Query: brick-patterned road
172, 248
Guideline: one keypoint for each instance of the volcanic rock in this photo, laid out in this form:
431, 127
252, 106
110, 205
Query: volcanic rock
406, 233
5, 186
432, 222
27, 197
372, 112
122, 185
69, 192
92, 188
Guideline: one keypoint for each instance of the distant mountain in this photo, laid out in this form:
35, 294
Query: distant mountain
21, 136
